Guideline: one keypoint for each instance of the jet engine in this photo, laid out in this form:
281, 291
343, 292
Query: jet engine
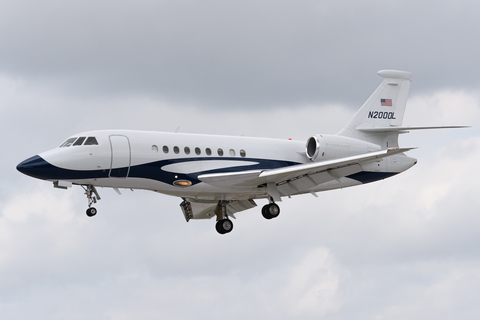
326, 147
315, 146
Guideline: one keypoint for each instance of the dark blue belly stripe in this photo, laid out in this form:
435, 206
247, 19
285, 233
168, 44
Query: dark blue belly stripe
368, 176
39, 168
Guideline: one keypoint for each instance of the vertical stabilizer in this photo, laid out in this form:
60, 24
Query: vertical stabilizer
384, 109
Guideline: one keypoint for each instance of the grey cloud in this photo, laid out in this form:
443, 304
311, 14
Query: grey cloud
237, 54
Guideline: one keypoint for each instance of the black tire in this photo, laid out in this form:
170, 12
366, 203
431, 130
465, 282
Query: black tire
218, 227
265, 212
91, 212
270, 211
224, 226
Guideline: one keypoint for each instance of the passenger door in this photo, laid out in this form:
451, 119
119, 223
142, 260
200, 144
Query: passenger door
121, 156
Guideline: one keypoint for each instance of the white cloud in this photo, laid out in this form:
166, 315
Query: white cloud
312, 286
445, 107
238, 54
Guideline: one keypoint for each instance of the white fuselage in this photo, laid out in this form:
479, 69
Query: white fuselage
170, 163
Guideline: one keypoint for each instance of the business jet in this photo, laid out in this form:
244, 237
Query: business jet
218, 176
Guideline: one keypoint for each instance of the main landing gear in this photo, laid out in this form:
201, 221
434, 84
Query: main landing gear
92, 197
270, 211
223, 225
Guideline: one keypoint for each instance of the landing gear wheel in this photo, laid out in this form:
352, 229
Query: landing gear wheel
265, 213
91, 212
224, 226
270, 211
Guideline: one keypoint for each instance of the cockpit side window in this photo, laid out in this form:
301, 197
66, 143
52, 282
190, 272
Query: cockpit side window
79, 141
91, 141
68, 143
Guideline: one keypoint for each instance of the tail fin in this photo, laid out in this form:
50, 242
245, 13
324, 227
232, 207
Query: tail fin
384, 109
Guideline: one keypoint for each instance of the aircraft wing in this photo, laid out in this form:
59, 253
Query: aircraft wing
315, 173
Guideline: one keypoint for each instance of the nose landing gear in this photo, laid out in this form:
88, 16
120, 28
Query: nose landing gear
92, 197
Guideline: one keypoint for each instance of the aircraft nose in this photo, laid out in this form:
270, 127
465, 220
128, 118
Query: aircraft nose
34, 166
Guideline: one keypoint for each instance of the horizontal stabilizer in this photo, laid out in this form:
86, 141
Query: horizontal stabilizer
406, 129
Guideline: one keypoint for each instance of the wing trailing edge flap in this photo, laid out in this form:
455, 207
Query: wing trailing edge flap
194, 209
309, 181
299, 177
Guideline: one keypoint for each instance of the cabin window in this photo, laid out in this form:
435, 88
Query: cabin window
208, 151
155, 148
79, 141
232, 153
165, 149
187, 150
220, 152
68, 143
91, 141
243, 154
176, 150
198, 151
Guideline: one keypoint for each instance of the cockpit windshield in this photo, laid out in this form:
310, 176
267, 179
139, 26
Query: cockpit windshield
90, 141
79, 141
68, 143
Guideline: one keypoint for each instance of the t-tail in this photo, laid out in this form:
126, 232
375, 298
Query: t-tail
379, 120
383, 110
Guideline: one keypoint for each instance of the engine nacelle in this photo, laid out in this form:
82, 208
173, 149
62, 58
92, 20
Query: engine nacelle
326, 147
315, 146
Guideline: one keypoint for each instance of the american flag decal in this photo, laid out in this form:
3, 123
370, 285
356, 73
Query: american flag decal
386, 102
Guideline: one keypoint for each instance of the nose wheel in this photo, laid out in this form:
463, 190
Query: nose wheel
91, 212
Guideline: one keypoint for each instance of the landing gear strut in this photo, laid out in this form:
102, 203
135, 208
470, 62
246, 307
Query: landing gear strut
92, 197
223, 225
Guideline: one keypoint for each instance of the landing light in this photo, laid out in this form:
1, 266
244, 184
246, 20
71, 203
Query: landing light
182, 183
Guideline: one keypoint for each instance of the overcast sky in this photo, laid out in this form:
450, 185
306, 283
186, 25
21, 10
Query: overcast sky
404, 248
